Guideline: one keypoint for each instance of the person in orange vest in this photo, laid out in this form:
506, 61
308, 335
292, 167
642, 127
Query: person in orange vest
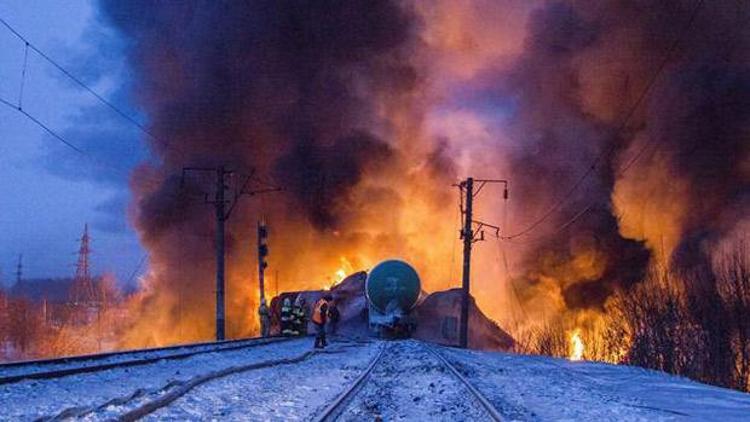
319, 318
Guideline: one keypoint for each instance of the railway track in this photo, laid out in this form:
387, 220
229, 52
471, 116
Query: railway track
339, 406
488, 407
61, 367
159, 404
404, 380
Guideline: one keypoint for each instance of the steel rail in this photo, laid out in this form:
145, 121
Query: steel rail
96, 356
170, 397
333, 410
488, 407
74, 370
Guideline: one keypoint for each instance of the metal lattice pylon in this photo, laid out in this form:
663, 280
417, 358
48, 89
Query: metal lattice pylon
82, 292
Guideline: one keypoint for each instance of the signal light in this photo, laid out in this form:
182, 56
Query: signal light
262, 245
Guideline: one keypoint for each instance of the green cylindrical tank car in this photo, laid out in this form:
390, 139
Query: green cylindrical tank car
392, 288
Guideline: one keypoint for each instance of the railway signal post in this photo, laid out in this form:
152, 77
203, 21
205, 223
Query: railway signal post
223, 209
262, 254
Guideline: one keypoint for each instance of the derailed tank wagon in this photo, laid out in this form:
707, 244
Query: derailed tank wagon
392, 288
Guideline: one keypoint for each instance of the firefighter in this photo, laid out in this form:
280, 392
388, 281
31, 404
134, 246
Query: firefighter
265, 318
299, 316
286, 318
333, 316
319, 317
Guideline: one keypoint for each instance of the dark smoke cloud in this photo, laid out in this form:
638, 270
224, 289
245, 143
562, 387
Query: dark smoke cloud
316, 173
285, 87
707, 127
584, 64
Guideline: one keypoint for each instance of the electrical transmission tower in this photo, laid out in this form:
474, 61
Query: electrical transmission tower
472, 231
19, 269
223, 206
82, 292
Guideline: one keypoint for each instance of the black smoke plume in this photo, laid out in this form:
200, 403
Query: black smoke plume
584, 67
285, 89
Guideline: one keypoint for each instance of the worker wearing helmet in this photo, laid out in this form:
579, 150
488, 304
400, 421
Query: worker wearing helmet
319, 318
265, 318
299, 316
286, 318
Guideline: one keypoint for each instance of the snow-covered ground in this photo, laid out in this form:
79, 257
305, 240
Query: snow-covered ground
408, 384
17, 368
286, 393
32, 399
541, 388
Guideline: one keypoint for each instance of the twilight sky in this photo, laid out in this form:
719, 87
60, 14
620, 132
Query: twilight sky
47, 190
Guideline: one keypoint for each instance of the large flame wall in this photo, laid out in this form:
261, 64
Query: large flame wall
367, 112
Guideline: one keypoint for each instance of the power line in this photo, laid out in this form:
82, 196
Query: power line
509, 280
80, 83
667, 58
639, 154
23, 75
558, 230
624, 168
19, 107
137, 268
97, 162
457, 222
43, 126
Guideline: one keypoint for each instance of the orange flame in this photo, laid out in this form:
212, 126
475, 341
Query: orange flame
576, 346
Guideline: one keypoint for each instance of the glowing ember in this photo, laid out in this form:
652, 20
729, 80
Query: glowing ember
576, 346
340, 275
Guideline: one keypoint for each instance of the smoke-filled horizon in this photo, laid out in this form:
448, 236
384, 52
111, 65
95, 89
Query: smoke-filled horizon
366, 112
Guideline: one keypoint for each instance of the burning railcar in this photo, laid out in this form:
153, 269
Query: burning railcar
392, 288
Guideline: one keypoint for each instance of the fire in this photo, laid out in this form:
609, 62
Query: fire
345, 269
340, 275
576, 346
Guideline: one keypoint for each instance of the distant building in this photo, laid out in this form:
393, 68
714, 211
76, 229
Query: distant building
52, 297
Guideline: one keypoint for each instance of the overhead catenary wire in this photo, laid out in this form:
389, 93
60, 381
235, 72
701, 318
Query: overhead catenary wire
456, 225
43, 126
557, 231
647, 149
509, 279
76, 80
97, 162
28, 45
23, 74
502, 259
623, 124
641, 151
137, 268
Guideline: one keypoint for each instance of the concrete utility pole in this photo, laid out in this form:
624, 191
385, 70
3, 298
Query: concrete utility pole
469, 236
221, 217
220, 203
